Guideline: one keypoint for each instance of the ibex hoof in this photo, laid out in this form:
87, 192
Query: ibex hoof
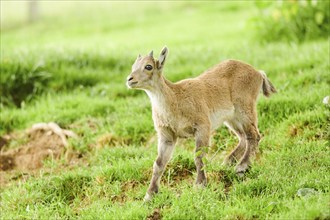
201, 184
240, 174
147, 197
241, 169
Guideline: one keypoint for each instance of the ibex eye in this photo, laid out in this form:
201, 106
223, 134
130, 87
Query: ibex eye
148, 67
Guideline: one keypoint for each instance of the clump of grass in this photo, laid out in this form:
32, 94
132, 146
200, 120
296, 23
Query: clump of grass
65, 189
292, 20
21, 82
24, 80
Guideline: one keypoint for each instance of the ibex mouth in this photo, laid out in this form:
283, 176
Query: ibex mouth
131, 84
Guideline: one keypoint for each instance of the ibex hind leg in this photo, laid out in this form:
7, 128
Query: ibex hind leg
252, 140
239, 150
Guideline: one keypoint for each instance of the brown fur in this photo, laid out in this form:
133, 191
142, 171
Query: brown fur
226, 93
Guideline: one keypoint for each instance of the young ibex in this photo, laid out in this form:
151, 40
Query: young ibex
226, 93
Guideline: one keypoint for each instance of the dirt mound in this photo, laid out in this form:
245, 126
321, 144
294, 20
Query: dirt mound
43, 141
156, 215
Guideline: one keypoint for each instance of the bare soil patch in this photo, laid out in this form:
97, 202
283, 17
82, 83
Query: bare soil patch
129, 185
122, 198
43, 141
222, 176
179, 170
125, 188
156, 215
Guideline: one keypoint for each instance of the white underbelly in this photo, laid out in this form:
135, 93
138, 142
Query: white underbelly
218, 117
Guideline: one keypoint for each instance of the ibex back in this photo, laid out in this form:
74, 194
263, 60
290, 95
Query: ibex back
225, 94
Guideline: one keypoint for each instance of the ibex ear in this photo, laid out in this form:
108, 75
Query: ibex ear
162, 57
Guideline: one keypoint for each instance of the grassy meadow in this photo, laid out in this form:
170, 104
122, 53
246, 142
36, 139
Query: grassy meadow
70, 67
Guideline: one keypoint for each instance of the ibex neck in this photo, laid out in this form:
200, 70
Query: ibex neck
162, 94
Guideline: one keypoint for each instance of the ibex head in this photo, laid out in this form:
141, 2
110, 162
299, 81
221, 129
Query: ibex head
146, 71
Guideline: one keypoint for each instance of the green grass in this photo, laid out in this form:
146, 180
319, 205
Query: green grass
86, 51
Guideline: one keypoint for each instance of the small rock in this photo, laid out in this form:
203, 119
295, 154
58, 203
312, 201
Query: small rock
326, 100
306, 192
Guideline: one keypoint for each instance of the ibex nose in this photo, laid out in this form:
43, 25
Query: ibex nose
129, 78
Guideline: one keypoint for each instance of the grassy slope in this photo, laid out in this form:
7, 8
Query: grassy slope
88, 58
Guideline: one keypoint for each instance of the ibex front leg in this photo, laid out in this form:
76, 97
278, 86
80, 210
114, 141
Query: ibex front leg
166, 143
